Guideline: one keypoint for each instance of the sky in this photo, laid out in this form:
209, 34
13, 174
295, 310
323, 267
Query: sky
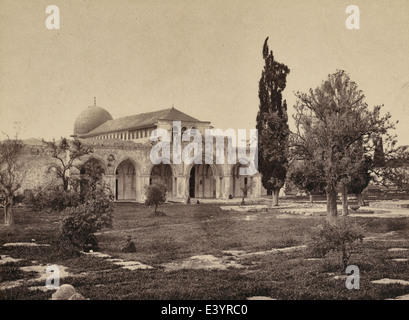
202, 57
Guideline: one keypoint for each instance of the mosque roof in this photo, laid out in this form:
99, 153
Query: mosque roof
90, 118
142, 120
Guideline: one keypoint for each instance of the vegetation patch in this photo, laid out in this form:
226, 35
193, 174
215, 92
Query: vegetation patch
206, 230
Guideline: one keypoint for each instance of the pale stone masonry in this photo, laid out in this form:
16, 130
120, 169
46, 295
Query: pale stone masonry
123, 148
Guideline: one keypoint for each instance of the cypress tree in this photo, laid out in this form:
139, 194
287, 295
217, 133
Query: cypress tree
272, 125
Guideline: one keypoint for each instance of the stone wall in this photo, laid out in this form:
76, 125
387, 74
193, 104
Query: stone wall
128, 168
35, 162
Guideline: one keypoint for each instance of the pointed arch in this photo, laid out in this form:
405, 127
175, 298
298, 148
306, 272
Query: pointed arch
164, 173
240, 182
127, 180
95, 159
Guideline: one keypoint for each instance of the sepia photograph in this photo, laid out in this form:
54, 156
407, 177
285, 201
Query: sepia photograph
205, 155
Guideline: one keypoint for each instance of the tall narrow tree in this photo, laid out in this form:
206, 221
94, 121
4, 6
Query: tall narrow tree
272, 125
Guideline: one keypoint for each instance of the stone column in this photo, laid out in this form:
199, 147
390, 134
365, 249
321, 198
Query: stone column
144, 182
217, 182
140, 190
110, 180
226, 188
181, 188
256, 192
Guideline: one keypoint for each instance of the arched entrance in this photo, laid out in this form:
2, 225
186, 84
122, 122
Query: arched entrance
126, 178
93, 167
163, 173
202, 182
241, 183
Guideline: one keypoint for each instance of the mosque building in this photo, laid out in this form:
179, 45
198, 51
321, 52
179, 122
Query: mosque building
123, 147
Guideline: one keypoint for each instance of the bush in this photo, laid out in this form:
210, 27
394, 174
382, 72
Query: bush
95, 213
53, 199
19, 199
339, 235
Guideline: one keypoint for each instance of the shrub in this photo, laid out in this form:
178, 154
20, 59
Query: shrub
52, 199
19, 199
339, 235
95, 213
155, 195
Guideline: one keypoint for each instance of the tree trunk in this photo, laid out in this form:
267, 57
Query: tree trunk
331, 202
242, 200
344, 198
65, 184
274, 194
8, 211
311, 198
360, 199
156, 207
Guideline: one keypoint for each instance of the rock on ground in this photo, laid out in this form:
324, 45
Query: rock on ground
67, 292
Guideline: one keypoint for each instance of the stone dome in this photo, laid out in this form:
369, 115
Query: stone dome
90, 118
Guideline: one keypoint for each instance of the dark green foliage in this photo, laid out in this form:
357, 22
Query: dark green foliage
272, 124
306, 178
56, 198
10, 271
334, 133
340, 235
361, 178
87, 204
52, 199
155, 195
93, 214
92, 172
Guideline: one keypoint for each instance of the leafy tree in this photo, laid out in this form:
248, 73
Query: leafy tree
11, 174
92, 172
360, 180
272, 125
392, 172
56, 198
155, 195
334, 132
87, 205
66, 152
306, 178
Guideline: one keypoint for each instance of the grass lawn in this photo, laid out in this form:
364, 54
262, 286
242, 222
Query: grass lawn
204, 229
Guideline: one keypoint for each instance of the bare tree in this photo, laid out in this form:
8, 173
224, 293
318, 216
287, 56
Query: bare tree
245, 189
65, 152
11, 174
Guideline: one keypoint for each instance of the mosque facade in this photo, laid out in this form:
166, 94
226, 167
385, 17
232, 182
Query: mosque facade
123, 148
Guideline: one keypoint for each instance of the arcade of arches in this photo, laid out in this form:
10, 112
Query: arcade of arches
128, 176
